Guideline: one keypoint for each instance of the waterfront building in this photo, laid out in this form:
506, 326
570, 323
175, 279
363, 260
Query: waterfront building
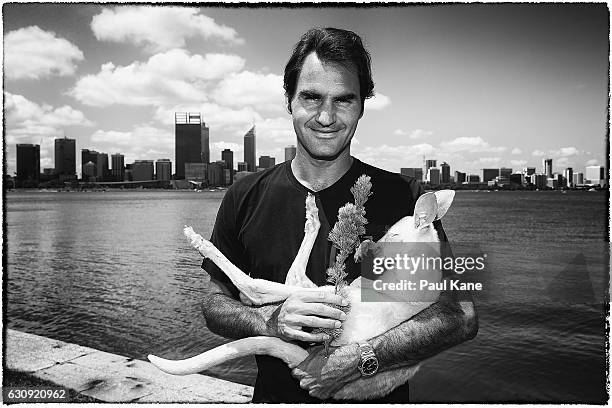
266, 162
517, 179
102, 171
86, 157
473, 178
568, 173
127, 175
460, 177
547, 167
196, 171
433, 176
444, 173
28, 165
117, 167
191, 141
249, 149
595, 175
65, 158
416, 172
505, 172
578, 179
89, 171
290, 152
142, 170
528, 171
228, 157
215, 174
539, 180
163, 169
242, 167
489, 174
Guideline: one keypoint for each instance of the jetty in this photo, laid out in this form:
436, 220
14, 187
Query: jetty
111, 377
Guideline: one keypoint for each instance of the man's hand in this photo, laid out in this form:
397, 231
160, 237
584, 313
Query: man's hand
306, 309
323, 376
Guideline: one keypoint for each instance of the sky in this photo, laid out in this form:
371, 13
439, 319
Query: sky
475, 85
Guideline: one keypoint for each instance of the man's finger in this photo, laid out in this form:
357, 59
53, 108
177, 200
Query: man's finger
323, 297
316, 322
303, 336
318, 309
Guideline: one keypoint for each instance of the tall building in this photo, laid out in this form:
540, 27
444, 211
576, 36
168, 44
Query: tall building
196, 171
242, 166
444, 173
505, 172
249, 149
415, 172
89, 171
290, 152
459, 177
595, 175
163, 170
547, 167
28, 164
191, 139
528, 171
433, 176
142, 170
65, 157
86, 157
102, 172
489, 174
569, 177
473, 178
228, 157
266, 162
216, 174
117, 167
578, 179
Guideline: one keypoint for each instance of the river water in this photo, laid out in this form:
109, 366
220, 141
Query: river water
112, 270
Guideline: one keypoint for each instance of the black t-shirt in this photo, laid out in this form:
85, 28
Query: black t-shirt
260, 226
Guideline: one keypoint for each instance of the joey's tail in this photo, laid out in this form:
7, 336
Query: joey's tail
271, 346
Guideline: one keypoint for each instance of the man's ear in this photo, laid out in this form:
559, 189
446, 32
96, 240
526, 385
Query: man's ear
288, 103
425, 210
444, 198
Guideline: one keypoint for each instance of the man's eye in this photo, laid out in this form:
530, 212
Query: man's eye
311, 97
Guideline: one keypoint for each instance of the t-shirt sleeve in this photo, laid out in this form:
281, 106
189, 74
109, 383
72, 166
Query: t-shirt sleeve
225, 238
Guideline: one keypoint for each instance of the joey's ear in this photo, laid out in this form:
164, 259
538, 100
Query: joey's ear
444, 199
425, 210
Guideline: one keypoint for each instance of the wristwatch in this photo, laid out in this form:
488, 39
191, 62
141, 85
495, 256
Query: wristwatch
368, 365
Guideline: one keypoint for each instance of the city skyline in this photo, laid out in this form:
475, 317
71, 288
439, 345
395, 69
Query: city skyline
475, 86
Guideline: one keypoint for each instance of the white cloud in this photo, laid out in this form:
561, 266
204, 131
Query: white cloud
471, 145
158, 28
518, 163
170, 77
592, 162
516, 150
399, 132
565, 152
378, 102
32, 53
393, 157
538, 153
420, 133
489, 160
264, 91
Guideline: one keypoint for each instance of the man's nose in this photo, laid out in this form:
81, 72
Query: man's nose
326, 115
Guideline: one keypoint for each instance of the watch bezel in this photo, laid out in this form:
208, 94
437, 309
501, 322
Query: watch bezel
366, 372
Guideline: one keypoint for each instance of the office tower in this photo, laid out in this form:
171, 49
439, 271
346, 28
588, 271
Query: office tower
89, 156
65, 157
191, 138
215, 174
489, 174
89, 171
249, 149
595, 175
266, 162
242, 166
505, 172
102, 167
28, 164
547, 167
459, 177
539, 180
433, 176
444, 173
127, 176
196, 171
528, 171
569, 177
578, 179
163, 170
517, 179
228, 157
473, 178
117, 167
142, 170
290, 152
415, 172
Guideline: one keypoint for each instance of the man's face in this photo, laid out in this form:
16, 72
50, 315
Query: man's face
325, 108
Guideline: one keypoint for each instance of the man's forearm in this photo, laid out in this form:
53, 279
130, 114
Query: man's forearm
230, 318
442, 325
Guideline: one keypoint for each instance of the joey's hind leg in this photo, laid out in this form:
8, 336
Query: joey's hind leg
297, 273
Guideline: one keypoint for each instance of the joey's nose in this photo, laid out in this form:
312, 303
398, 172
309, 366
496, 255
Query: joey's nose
326, 115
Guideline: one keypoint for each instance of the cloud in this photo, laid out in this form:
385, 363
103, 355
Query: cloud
32, 53
516, 150
489, 160
565, 152
264, 91
538, 153
399, 132
518, 163
592, 162
159, 28
394, 157
166, 78
378, 102
216, 117
470, 145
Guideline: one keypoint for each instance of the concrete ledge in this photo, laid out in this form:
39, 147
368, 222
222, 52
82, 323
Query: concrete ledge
111, 377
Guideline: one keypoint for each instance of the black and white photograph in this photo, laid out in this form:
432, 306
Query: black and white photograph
383, 203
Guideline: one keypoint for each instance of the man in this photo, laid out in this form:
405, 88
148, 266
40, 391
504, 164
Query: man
260, 224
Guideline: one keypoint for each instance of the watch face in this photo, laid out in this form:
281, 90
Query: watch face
369, 366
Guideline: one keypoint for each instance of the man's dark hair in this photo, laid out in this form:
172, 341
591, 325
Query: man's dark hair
331, 45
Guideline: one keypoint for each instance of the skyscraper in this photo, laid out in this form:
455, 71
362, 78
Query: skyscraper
102, 167
594, 174
191, 137
249, 149
89, 156
228, 157
489, 174
65, 157
118, 167
459, 177
547, 167
266, 162
28, 164
433, 176
569, 177
444, 173
290, 152
163, 169
142, 170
